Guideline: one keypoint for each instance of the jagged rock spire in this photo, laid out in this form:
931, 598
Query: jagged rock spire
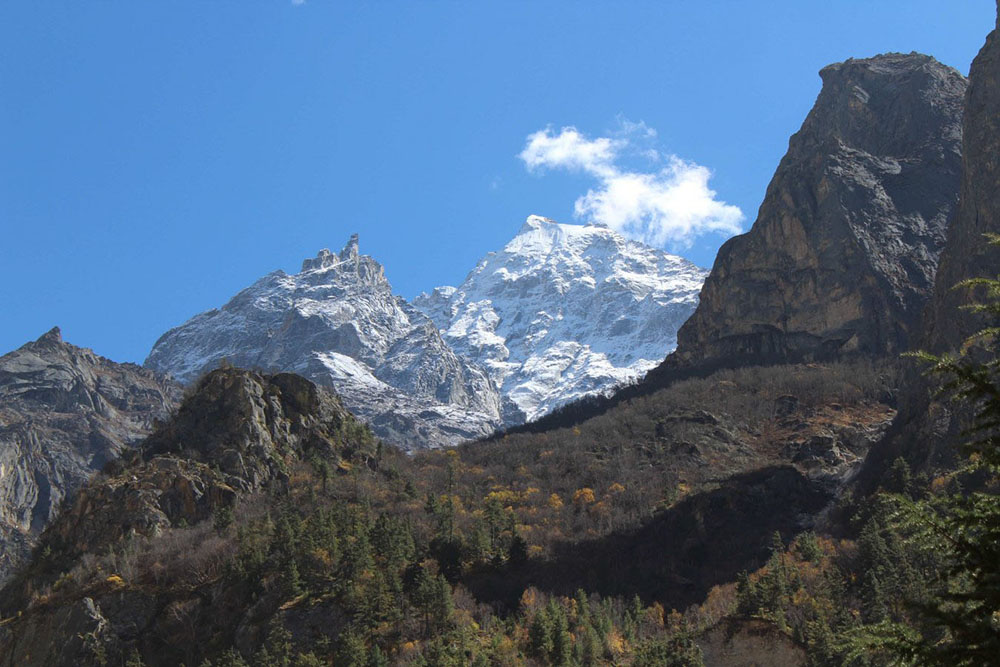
350, 250
53, 335
338, 323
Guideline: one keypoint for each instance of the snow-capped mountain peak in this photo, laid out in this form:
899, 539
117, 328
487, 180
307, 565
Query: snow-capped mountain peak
338, 323
566, 310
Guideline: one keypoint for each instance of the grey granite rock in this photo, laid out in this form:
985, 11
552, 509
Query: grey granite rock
64, 413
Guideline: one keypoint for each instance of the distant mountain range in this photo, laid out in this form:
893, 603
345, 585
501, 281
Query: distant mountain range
338, 323
560, 312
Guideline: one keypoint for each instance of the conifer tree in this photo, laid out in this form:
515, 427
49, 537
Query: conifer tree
960, 624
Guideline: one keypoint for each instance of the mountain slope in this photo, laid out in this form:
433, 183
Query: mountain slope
563, 311
842, 256
338, 324
239, 437
64, 413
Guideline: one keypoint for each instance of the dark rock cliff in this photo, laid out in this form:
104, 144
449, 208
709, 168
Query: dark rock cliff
843, 254
966, 255
926, 429
64, 413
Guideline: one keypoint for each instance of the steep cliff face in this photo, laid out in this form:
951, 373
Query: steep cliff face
843, 253
64, 413
966, 255
338, 323
926, 429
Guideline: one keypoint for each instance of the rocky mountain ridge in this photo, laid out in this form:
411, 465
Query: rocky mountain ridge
563, 311
64, 413
338, 323
709, 475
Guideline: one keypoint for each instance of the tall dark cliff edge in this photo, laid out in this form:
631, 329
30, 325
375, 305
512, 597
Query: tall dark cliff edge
925, 429
966, 255
842, 257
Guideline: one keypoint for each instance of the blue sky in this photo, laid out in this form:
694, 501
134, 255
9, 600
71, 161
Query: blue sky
158, 157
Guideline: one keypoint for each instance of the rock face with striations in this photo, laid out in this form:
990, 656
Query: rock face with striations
843, 254
966, 254
926, 429
64, 413
338, 323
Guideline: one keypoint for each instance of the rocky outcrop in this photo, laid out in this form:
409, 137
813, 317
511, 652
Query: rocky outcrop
338, 323
563, 311
64, 413
843, 254
234, 435
237, 437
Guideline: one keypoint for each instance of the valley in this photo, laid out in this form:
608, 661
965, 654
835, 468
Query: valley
588, 452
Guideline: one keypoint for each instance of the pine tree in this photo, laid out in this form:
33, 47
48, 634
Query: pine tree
352, 651
540, 635
747, 595
961, 622
562, 642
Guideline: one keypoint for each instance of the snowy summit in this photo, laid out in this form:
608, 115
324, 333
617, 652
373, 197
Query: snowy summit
338, 323
563, 311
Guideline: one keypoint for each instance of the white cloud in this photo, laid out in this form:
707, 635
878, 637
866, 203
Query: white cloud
569, 150
671, 205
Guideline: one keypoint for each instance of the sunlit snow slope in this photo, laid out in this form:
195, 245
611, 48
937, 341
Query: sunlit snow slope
566, 310
338, 323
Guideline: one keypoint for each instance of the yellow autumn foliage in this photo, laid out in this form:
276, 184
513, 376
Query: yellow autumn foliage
584, 496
